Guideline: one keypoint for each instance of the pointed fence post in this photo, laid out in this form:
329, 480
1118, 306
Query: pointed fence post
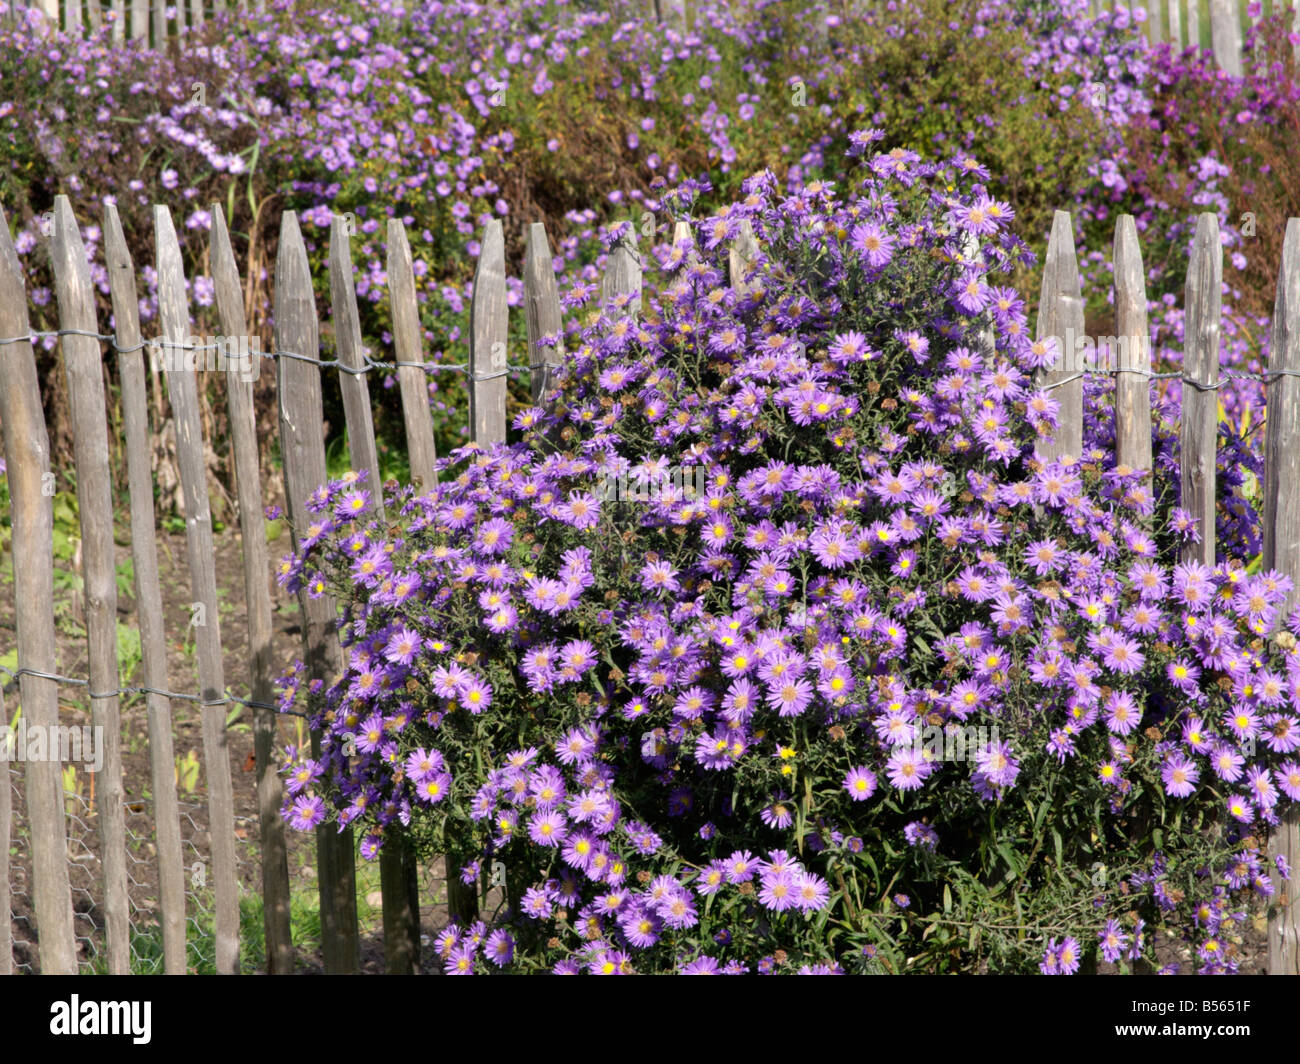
1282, 552
740, 257
302, 445
1176, 24
1060, 316
27, 455
1225, 35
408, 342
257, 596
148, 592
1133, 337
398, 873
1203, 305
182, 391
623, 275
6, 831
487, 341
541, 310
83, 363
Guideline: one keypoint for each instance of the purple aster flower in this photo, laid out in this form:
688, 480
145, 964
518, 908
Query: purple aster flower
1180, 774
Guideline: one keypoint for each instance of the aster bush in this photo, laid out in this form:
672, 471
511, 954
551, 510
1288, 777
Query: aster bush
717, 731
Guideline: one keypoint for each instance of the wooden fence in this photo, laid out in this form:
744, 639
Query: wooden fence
303, 449
151, 21
1061, 316
1223, 27
297, 359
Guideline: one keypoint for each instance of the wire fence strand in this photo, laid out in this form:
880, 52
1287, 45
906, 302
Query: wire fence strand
370, 363
73, 681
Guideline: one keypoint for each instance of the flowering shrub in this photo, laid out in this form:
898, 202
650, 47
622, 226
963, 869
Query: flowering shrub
891, 694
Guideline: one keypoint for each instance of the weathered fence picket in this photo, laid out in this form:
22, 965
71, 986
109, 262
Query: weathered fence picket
1133, 384
83, 365
741, 254
541, 310
1282, 551
148, 591
27, 456
622, 279
257, 596
487, 340
1203, 300
302, 448
1225, 35
408, 344
1060, 315
6, 830
347, 342
399, 875
182, 393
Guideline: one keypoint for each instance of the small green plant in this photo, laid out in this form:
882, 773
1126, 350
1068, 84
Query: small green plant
187, 773
74, 788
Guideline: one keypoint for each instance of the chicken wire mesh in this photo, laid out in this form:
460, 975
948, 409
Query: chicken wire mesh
85, 875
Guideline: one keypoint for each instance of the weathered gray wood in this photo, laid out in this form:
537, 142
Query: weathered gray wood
1060, 315
1295, 29
27, 456
488, 325
83, 366
196, 12
399, 884
1176, 24
1203, 304
302, 447
159, 24
1133, 388
398, 872
1225, 35
541, 310
408, 343
354, 386
139, 19
1193, 23
72, 23
93, 11
118, 8
740, 256
1282, 552
182, 391
6, 830
623, 275
148, 593
1155, 30
257, 595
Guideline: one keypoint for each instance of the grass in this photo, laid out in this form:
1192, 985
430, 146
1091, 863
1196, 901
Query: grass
200, 932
